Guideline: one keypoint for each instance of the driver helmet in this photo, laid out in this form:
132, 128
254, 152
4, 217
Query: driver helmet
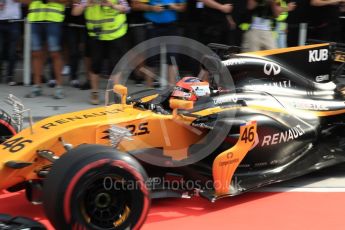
190, 89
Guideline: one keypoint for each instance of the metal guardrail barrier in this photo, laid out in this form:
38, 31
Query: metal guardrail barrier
303, 28
27, 53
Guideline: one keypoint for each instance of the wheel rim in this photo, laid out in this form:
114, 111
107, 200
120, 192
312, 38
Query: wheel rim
104, 208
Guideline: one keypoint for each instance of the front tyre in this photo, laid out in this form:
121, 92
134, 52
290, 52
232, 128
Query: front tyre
96, 187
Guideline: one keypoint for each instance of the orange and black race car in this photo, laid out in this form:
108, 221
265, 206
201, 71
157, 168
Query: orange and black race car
282, 117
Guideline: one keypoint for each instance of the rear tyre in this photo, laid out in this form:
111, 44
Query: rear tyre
96, 187
7, 127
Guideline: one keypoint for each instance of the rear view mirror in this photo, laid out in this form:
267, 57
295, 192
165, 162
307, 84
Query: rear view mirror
122, 91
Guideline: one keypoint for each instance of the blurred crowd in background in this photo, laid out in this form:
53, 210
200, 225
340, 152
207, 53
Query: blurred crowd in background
70, 35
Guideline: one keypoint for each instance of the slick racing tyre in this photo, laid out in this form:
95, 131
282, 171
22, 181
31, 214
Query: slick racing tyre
19, 223
96, 187
7, 127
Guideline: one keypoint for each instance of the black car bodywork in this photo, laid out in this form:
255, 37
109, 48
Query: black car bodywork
295, 96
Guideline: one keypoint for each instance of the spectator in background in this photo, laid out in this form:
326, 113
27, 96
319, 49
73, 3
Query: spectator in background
324, 21
201, 18
46, 19
77, 39
10, 12
138, 25
163, 14
240, 15
260, 35
299, 15
106, 23
281, 24
217, 21
193, 25
194, 28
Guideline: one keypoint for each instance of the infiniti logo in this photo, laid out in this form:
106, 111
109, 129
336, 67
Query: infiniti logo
271, 68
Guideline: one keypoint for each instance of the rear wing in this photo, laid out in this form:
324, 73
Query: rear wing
337, 50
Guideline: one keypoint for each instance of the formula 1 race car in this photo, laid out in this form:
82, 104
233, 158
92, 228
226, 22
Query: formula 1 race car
99, 168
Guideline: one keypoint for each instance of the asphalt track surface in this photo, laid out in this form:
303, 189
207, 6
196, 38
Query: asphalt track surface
315, 201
